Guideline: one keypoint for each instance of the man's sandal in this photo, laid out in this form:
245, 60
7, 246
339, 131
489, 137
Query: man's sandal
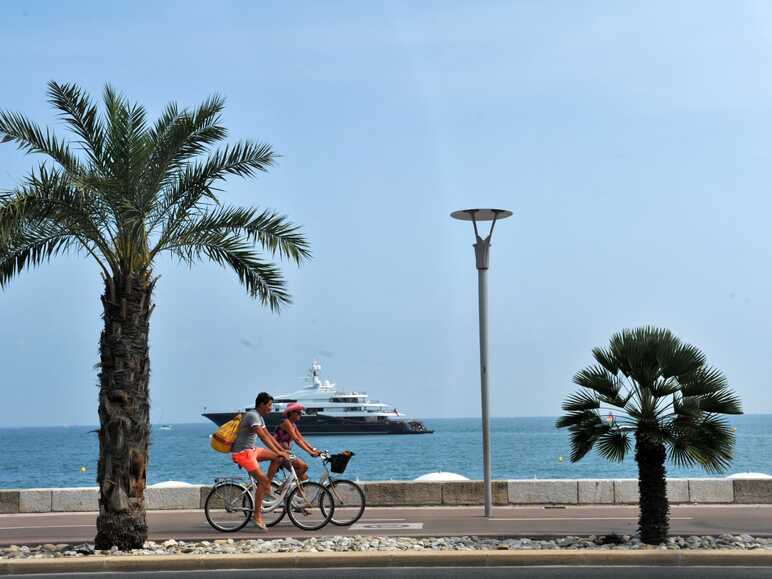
259, 526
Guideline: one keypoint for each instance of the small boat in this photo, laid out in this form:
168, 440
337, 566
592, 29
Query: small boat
334, 412
165, 427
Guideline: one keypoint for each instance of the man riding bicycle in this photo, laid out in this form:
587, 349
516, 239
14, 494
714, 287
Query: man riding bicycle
285, 434
248, 455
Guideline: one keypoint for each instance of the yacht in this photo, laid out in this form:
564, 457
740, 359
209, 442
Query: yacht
332, 411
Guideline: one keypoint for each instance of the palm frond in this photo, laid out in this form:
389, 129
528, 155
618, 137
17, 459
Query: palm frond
599, 379
139, 145
575, 418
605, 358
178, 136
118, 152
197, 182
28, 249
708, 443
703, 381
580, 401
682, 453
686, 406
584, 434
29, 137
581, 444
47, 196
720, 402
81, 115
262, 280
244, 159
637, 352
613, 445
276, 234
270, 230
585, 427
678, 359
665, 387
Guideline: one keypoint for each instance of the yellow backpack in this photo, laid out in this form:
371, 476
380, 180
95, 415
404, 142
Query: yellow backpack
223, 438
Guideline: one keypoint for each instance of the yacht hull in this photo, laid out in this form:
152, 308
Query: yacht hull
316, 425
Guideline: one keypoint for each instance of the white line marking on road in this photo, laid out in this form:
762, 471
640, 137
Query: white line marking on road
583, 519
386, 526
46, 527
376, 520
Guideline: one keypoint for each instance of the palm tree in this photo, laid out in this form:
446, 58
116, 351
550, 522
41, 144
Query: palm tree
127, 192
660, 392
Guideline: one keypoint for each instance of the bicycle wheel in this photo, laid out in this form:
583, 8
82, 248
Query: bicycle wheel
310, 506
349, 502
273, 514
229, 507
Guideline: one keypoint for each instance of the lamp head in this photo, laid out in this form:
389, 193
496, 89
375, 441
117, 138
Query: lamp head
481, 214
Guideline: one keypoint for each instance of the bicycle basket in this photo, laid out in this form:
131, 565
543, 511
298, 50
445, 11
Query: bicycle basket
339, 462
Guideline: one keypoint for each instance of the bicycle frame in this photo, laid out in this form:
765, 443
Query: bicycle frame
250, 486
327, 478
287, 485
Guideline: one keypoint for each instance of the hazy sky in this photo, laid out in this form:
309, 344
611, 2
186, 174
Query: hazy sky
632, 140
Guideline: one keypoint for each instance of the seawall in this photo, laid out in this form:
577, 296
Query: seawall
408, 493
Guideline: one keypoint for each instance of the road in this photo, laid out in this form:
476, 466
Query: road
421, 521
446, 573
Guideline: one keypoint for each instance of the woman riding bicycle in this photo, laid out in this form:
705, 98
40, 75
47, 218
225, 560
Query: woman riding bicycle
286, 433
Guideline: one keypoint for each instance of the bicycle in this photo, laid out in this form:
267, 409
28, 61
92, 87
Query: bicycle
230, 504
349, 497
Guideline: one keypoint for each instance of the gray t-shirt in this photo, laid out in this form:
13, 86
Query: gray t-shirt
247, 438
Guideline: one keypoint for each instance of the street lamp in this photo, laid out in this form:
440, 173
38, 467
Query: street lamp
481, 252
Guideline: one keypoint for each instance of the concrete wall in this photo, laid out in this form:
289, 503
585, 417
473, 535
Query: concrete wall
408, 493
564, 492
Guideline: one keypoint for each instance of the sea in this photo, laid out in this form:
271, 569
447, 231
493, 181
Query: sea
523, 448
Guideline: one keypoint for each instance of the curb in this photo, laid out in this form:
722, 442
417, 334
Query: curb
720, 558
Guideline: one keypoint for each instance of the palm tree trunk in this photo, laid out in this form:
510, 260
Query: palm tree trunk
654, 523
124, 412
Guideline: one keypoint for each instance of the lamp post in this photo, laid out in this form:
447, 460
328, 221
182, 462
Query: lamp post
481, 252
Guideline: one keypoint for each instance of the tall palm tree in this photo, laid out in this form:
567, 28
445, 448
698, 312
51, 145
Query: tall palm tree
127, 192
659, 392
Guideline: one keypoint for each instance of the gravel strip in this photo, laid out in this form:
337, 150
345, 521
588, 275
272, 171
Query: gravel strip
375, 543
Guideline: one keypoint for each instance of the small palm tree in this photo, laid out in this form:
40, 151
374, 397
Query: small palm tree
126, 193
658, 391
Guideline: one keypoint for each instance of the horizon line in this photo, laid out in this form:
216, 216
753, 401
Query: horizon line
204, 421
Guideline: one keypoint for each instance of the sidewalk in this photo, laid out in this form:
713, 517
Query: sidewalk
76, 528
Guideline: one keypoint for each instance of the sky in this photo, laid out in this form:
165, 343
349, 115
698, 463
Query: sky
632, 141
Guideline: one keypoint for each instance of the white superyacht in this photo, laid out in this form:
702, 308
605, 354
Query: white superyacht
332, 411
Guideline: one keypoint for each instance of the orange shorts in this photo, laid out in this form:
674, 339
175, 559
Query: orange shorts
249, 458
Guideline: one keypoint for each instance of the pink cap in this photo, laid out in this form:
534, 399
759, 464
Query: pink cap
294, 407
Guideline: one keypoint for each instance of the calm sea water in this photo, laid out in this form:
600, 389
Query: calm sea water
522, 448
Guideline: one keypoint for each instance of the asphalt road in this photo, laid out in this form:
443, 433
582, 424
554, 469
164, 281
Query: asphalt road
448, 573
423, 521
